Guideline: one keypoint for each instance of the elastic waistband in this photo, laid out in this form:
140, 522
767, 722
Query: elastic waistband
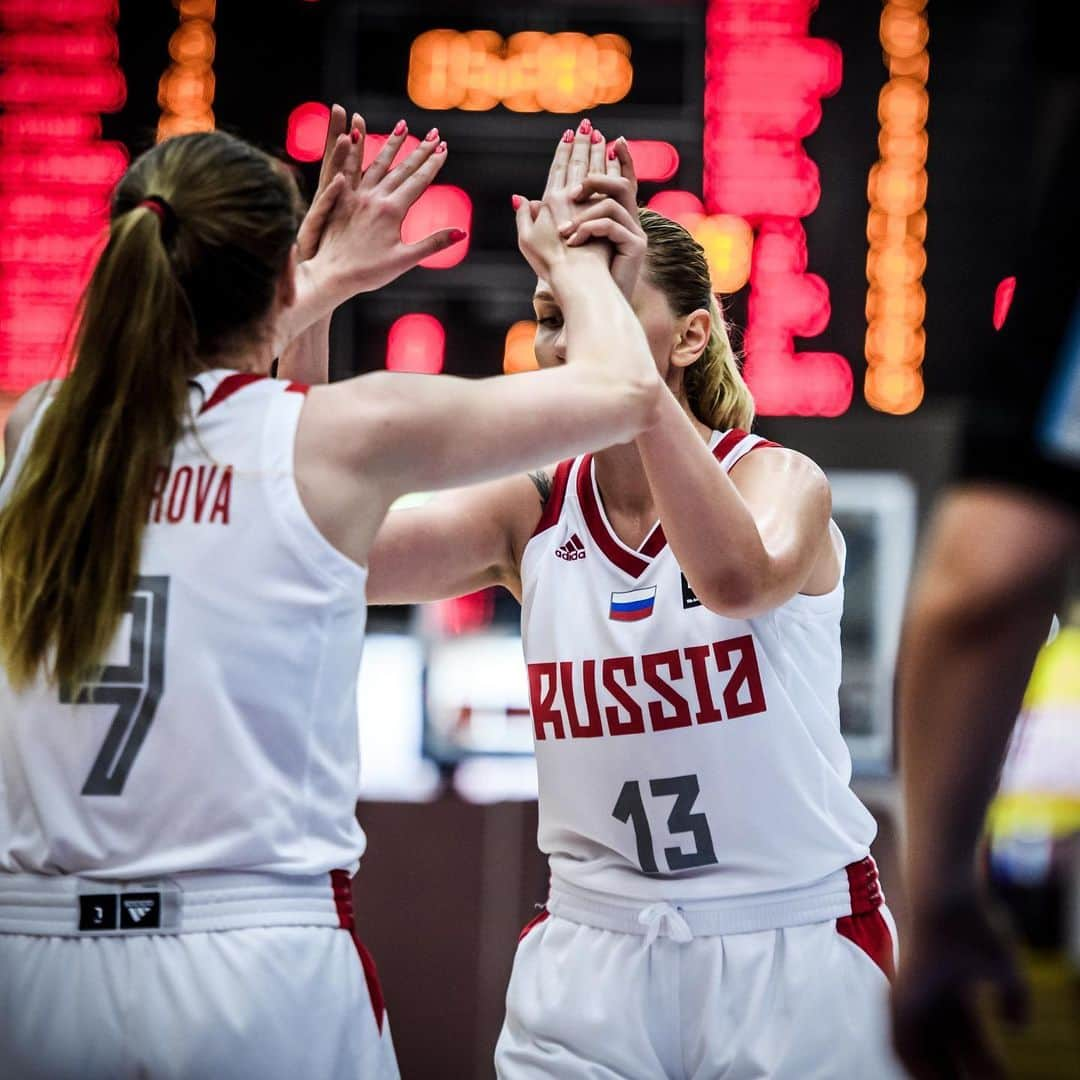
853, 890
78, 906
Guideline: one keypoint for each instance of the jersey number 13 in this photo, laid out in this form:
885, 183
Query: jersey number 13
630, 807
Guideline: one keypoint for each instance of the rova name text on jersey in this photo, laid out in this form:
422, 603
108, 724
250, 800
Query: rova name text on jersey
722, 681
197, 495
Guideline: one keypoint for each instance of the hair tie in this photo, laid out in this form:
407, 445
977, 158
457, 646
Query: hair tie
164, 213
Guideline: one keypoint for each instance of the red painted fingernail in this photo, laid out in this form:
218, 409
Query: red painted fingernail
596, 137
568, 135
432, 135
611, 153
441, 148
516, 201
457, 235
400, 127
585, 127
354, 135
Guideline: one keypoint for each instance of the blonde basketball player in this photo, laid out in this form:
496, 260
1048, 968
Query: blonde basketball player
182, 550
714, 910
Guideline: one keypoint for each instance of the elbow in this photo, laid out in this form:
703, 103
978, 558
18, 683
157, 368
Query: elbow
735, 595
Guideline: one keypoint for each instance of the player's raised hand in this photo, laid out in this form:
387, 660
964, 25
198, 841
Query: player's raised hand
606, 209
335, 157
361, 247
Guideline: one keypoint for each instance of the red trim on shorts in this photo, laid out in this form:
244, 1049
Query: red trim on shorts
342, 888
866, 926
228, 386
553, 507
623, 558
297, 388
535, 921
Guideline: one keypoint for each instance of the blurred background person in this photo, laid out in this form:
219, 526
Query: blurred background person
993, 574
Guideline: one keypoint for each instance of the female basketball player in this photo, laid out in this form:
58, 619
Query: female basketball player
182, 550
713, 909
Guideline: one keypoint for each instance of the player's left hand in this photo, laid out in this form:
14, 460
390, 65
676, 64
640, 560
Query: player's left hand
335, 156
954, 948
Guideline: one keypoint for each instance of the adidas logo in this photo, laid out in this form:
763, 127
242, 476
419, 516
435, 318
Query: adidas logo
570, 551
137, 910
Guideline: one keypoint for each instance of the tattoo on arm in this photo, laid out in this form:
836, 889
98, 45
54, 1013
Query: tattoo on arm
542, 483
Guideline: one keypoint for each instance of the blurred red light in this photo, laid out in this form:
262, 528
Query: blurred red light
99, 89
35, 47
764, 81
1003, 299
442, 206
374, 143
56, 174
306, 134
58, 11
653, 160
681, 206
416, 343
466, 614
29, 127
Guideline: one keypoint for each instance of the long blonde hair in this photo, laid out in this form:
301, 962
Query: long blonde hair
675, 263
183, 280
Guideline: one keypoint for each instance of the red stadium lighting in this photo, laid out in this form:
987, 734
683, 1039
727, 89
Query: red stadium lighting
60, 71
416, 343
374, 143
681, 206
306, 133
442, 206
764, 81
653, 160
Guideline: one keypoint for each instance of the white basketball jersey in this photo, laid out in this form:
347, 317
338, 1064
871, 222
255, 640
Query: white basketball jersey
680, 753
222, 734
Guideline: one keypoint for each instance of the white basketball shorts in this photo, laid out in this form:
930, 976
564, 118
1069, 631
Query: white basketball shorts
272, 1002
806, 1002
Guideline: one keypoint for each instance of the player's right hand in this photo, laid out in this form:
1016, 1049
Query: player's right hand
938, 1030
361, 248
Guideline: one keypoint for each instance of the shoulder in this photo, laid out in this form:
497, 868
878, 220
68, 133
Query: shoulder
785, 472
23, 412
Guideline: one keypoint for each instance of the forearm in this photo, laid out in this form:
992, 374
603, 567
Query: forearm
707, 523
979, 612
602, 329
307, 357
318, 293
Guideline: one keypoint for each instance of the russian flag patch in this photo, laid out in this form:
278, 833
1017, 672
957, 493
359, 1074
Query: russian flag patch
633, 605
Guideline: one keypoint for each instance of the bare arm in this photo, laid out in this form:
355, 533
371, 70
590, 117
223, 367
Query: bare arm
462, 541
981, 607
20, 417
364, 442
746, 542
991, 576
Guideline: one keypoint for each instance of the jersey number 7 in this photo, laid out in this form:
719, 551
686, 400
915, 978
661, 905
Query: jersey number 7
135, 688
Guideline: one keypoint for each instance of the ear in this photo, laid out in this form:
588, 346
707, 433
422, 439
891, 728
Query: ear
286, 288
692, 338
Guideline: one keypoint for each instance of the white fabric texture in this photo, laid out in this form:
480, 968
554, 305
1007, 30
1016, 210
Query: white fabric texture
274, 1003
680, 753
240, 748
800, 1003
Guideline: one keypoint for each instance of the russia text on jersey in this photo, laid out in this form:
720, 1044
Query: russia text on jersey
565, 694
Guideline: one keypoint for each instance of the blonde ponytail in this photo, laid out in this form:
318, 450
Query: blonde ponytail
675, 263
